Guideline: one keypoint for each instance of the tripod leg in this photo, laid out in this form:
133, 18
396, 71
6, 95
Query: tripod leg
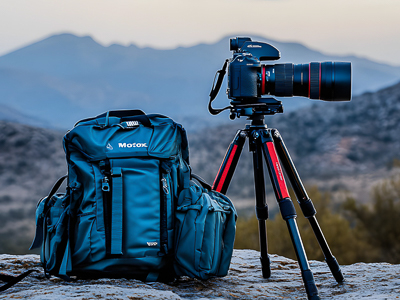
287, 210
228, 166
261, 206
306, 204
223, 179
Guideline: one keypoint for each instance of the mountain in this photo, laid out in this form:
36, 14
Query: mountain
10, 114
64, 78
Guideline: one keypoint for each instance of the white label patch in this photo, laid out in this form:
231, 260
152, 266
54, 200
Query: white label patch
152, 244
132, 145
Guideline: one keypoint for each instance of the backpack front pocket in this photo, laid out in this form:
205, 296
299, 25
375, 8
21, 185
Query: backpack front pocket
136, 207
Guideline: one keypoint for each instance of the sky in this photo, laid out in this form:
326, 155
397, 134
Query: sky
367, 28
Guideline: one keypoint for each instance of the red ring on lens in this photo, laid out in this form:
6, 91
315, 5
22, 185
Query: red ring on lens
309, 79
263, 81
319, 91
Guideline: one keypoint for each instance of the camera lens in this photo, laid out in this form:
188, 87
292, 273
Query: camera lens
330, 81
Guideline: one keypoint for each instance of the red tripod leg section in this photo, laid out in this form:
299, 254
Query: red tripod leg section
276, 172
228, 166
225, 170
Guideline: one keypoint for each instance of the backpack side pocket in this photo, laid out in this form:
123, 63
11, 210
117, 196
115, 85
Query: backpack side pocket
205, 232
55, 235
52, 222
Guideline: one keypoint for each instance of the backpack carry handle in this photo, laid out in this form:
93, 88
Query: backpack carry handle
39, 234
202, 182
56, 186
128, 115
124, 115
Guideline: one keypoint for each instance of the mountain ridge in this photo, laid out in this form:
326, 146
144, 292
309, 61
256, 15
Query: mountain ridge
64, 78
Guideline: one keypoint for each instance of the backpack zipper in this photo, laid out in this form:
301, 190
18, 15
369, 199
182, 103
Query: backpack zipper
105, 187
165, 185
164, 213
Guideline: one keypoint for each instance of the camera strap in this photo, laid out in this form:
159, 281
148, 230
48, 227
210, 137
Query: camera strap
216, 87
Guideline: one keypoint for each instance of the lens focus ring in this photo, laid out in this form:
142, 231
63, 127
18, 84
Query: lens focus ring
284, 80
314, 80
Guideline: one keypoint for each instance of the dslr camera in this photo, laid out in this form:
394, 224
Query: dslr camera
249, 80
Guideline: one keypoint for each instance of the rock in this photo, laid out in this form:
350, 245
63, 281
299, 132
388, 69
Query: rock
244, 281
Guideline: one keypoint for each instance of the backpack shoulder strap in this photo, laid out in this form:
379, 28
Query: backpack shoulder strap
184, 144
11, 280
202, 182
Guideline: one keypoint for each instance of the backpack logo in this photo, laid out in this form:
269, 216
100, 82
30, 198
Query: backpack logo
151, 244
109, 147
132, 145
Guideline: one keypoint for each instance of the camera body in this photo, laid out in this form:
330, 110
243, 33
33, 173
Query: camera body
244, 68
243, 77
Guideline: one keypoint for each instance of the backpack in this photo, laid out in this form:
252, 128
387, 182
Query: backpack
130, 208
116, 219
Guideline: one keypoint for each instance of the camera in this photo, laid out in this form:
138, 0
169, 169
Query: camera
249, 79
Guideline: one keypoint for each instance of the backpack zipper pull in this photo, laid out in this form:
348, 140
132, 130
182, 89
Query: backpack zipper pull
105, 186
165, 185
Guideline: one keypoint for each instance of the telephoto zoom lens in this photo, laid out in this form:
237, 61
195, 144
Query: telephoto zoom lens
329, 81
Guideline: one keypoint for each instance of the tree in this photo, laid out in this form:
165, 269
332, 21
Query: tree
380, 222
347, 244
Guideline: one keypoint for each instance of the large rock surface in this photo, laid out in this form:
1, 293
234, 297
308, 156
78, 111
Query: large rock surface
244, 281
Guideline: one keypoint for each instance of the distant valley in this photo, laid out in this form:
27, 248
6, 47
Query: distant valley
340, 147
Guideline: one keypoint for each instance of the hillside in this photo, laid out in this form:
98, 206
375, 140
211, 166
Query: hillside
64, 78
329, 142
31, 159
338, 146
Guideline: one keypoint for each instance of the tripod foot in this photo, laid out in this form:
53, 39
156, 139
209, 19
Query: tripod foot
309, 283
335, 269
265, 266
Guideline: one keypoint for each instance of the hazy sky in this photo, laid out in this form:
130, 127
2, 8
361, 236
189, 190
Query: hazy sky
369, 28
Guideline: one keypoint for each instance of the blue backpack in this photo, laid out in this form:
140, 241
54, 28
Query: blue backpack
125, 172
120, 213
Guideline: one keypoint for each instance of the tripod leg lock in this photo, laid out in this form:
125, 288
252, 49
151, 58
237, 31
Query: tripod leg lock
265, 266
308, 208
287, 209
262, 213
335, 269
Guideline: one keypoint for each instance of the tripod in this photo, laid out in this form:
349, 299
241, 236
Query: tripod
268, 143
